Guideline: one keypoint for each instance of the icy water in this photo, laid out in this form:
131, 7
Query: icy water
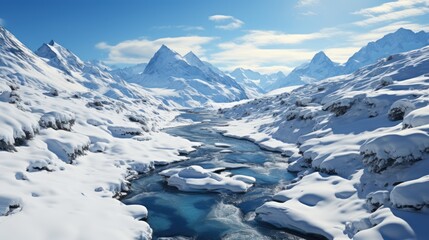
182, 215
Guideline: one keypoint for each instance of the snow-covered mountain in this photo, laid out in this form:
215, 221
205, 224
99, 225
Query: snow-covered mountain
128, 72
93, 75
359, 144
68, 145
188, 81
263, 81
402, 40
250, 80
321, 67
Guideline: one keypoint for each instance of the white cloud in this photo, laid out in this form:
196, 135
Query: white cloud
227, 22
141, 50
306, 3
2, 22
393, 11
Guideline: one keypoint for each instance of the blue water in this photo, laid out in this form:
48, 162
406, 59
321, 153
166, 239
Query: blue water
213, 215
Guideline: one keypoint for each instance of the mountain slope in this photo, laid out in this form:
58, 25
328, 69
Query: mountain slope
189, 84
359, 144
67, 147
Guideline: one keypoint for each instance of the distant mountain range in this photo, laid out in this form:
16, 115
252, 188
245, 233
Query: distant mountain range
321, 67
190, 82
254, 84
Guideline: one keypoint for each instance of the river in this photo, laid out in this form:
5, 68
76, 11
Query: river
183, 215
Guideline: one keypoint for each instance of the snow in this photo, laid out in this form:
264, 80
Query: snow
196, 179
281, 90
413, 194
417, 118
403, 147
222, 145
399, 109
305, 207
16, 126
57, 120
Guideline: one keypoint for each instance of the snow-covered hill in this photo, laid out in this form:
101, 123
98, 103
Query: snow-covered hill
70, 138
360, 145
321, 67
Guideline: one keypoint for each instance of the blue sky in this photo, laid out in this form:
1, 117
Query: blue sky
266, 36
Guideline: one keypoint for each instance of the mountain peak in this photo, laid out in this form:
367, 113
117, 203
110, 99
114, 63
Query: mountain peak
163, 58
191, 54
165, 50
320, 57
60, 57
403, 30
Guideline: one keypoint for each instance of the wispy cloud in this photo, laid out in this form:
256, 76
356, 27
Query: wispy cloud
393, 11
2, 22
226, 22
266, 59
182, 27
266, 38
306, 3
308, 13
141, 50
270, 51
